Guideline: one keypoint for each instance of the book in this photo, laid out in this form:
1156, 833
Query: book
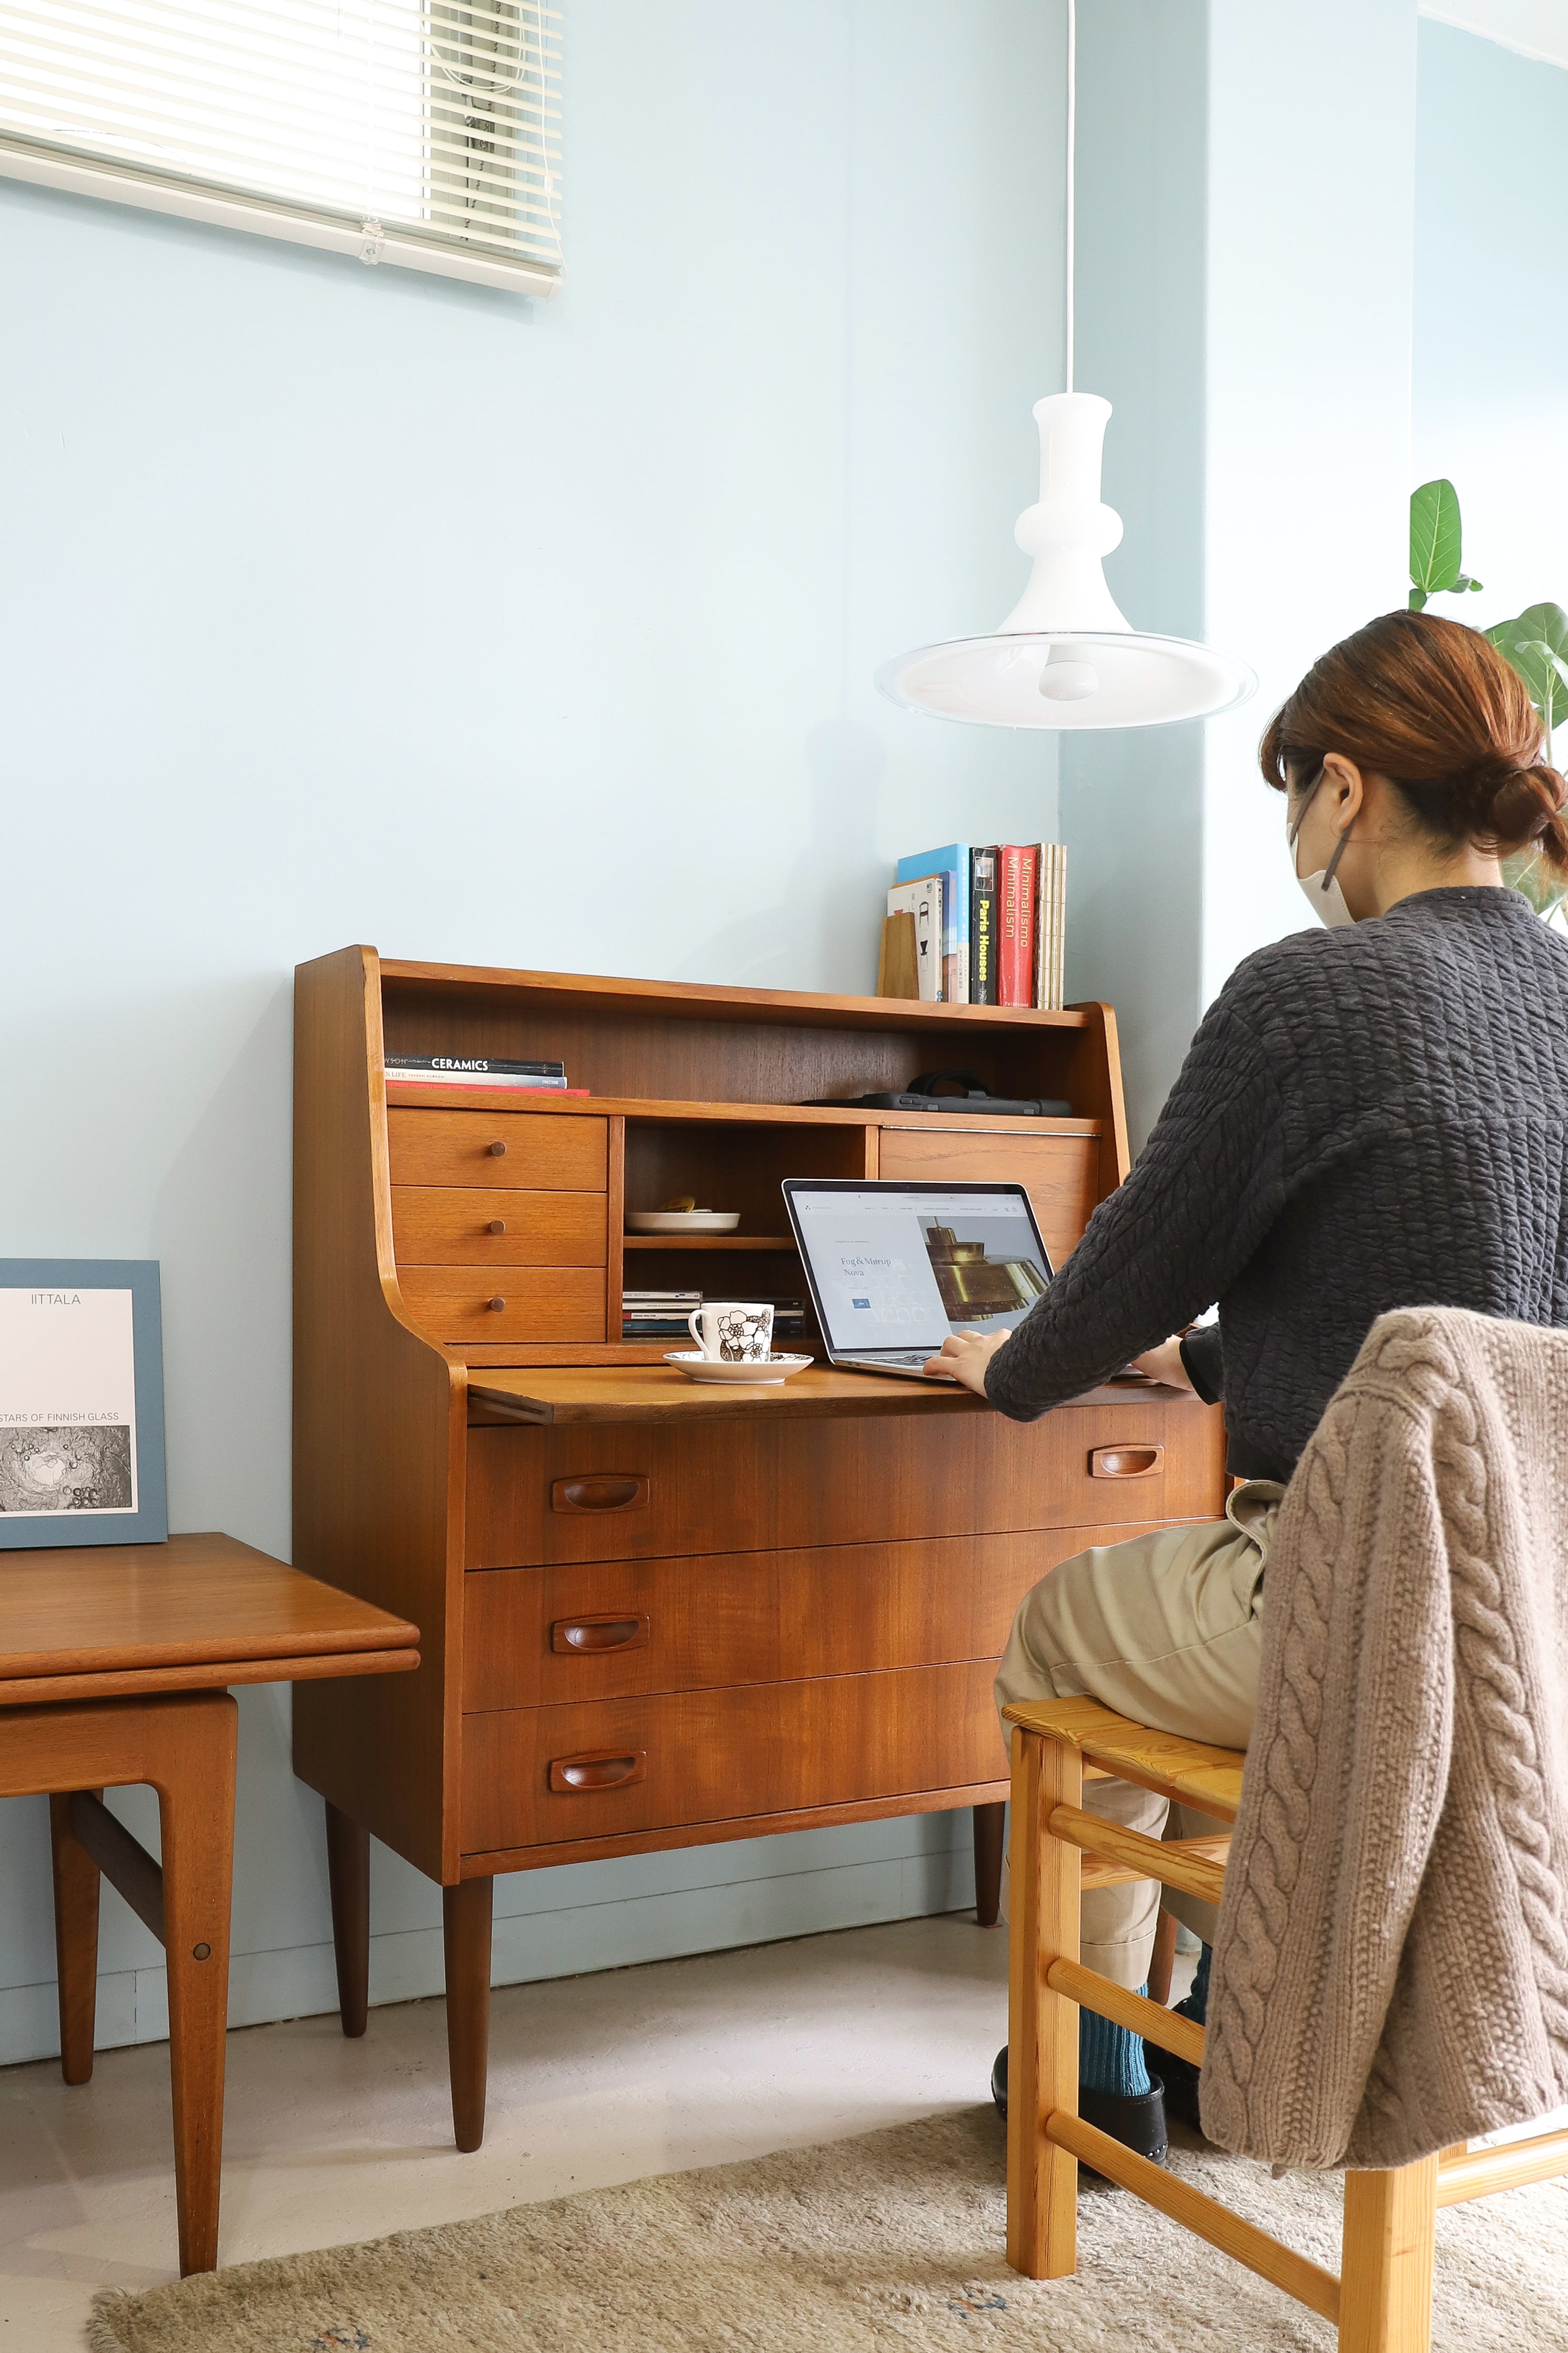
953, 865
923, 901
462, 1066
1015, 925
982, 925
1050, 924
500, 1082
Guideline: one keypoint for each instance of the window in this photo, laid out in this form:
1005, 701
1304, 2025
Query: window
425, 132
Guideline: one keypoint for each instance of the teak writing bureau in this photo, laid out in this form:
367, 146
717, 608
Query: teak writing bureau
654, 1614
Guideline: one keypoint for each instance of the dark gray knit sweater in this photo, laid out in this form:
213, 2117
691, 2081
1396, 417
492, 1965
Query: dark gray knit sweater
1369, 1118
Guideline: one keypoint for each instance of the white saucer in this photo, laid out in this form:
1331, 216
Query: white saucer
763, 1369
682, 1221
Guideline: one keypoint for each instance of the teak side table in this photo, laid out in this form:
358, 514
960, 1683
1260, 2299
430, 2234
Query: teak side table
655, 1615
115, 1662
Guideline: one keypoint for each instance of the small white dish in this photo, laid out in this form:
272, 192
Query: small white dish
762, 1369
682, 1221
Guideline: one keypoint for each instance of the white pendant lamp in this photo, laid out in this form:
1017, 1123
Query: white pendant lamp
1064, 656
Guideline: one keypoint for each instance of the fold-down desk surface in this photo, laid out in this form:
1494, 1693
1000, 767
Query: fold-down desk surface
562, 1393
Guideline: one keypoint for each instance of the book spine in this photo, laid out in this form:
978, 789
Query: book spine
1059, 946
983, 926
474, 1066
929, 924
1015, 957
1040, 979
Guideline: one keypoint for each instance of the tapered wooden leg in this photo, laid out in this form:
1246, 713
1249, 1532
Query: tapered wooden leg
1042, 2025
466, 1925
348, 1877
1385, 2271
1164, 1958
195, 1804
989, 1822
75, 1942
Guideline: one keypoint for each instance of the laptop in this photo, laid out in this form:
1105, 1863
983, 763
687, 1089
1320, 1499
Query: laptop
893, 1268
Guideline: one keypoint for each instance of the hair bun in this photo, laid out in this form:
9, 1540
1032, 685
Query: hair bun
1515, 803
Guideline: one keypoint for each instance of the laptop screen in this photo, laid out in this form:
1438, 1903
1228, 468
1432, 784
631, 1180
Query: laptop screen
901, 1266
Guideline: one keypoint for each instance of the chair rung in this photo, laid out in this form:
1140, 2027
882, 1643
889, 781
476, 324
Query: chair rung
1481, 2172
1133, 2011
1171, 1861
1098, 1872
1307, 2282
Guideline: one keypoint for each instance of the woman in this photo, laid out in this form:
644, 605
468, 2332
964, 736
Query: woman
1373, 1115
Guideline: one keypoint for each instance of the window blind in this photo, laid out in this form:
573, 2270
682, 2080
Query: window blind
424, 132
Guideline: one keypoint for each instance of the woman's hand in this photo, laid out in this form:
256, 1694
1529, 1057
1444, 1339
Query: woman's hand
1164, 1364
966, 1358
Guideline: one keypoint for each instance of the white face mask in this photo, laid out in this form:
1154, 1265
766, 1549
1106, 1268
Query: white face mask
1321, 891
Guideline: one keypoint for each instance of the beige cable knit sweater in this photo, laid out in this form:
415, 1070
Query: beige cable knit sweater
1391, 1965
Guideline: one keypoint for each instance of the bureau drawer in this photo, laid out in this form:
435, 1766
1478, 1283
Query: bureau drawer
460, 1225
717, 1756
1059, 1173
534, 1637
627, 1491
512, 1303
509, 1150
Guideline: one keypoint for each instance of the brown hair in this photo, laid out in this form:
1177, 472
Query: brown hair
1434, 707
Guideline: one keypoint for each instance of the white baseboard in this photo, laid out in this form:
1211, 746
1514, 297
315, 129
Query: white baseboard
743, 1894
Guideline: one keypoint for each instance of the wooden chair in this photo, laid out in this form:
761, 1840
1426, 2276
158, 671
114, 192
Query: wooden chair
1382, 2300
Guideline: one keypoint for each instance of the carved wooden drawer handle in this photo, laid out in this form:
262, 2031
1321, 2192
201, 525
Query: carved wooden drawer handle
598, 1768
587, 1637
1126, 1462
603, 1493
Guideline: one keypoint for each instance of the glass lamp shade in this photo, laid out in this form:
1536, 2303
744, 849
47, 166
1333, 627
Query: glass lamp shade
1066, 657
1067, 679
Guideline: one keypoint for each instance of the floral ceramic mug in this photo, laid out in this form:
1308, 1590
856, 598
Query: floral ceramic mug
734, 1331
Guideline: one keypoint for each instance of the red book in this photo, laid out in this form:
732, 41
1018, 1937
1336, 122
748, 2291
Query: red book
1018, 867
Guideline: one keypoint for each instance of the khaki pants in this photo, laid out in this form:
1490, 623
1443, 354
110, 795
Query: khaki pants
1166, 1629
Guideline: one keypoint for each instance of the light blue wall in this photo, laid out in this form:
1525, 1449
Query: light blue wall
1244, 256
350, 604
1491, 313
1132, 803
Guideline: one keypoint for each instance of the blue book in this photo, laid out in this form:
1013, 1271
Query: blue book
952, 862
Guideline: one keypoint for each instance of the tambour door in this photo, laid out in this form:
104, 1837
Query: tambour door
541, 1776
614, 1630
1059, 1173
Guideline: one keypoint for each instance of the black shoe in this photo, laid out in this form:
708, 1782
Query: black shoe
1137, 2123
1180, 2078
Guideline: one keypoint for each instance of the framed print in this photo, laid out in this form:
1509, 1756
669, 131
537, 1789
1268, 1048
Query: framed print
81, 1402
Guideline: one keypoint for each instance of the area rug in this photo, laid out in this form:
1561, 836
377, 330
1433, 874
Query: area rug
880, 2245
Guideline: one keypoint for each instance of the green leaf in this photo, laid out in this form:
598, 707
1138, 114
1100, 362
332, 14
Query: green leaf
1530, 874
1417, 599
1548, 622
1435, 537
1461, 584
1539, 664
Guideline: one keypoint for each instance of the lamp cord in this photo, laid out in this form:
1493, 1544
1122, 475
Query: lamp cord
1072, 173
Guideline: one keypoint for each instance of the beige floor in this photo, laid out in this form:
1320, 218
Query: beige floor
593, 2079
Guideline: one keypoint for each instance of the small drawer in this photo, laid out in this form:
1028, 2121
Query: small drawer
552, 1775
460, 1225
622, 1629
506, 1302
500, 1150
